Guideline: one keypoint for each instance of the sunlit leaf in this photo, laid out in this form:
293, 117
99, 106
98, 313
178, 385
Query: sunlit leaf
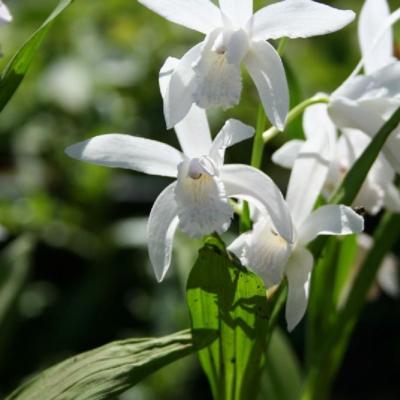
16, 69
111, 369
224, 296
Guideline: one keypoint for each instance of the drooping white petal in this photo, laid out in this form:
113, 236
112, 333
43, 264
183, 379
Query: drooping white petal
330, 220
316, 122
298, 19
203, 206
373, 15
161, 227
124, 151
193, 131
177, 85
392, 198
309, 174
5, 15
286, 155
231, 133
238, 12
263, 251
218, 81
248, 183
298, 272
266, 69
199, 15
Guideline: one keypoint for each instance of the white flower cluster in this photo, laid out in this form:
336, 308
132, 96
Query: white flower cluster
209, 75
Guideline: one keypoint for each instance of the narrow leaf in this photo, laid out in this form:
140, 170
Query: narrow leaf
223, 296
111, 369
17, 68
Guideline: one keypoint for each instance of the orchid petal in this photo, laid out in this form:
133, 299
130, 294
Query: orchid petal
218, 80
161, 227
5, 15
232, 132
193, 131
287, 154
309, 174
203, 206
298, 272
266, 69
248, 183
238, 12
177, 86
349, 114
373, 15
330, 220
263, 251
298, 19
388, 276
124, 151
316, 123
392, 198
199, 15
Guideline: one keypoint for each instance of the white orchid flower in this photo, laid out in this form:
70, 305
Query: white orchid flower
378, 190
5, 15
271, 256
197, 201
209, 73
366, 102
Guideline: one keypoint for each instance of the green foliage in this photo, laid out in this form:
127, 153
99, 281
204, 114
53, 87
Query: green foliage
223, 296
282, 378
14, 270
17, 68
111, 369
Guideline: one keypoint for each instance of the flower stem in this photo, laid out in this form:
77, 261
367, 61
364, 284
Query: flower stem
282, 46
258, 144
293, 114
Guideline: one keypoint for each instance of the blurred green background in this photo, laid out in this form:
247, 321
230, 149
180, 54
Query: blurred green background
74, 272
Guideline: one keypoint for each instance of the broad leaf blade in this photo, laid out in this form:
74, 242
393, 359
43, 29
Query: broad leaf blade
111, 369
17, 68
227, 298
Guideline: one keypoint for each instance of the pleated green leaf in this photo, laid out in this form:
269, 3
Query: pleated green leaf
223, 296
17, 68
111, 369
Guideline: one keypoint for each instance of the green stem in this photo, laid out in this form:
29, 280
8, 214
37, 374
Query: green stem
282, 46
258, 143
293, 114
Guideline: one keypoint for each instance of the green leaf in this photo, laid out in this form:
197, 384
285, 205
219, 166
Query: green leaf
282, 379
14, 269
111, 369
223, 296
17, 68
